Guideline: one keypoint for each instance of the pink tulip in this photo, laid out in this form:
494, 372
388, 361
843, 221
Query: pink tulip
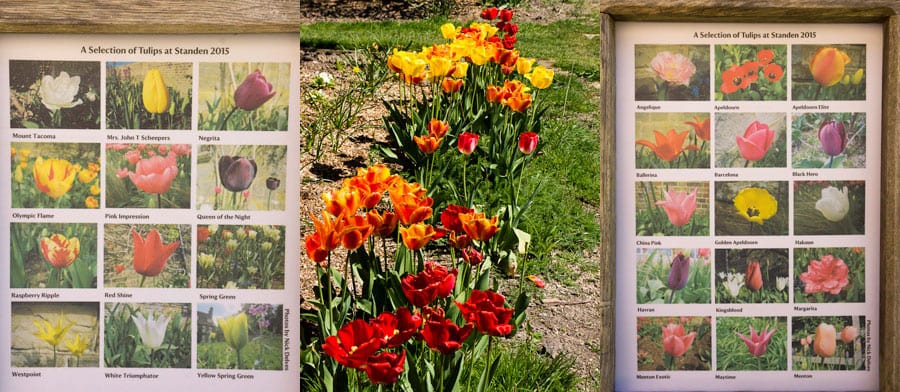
679, 206
155, 174
848, 334
825, 343
675, 342
756, 141
253, 91
757, 343
828, 275
673, 68
133, 156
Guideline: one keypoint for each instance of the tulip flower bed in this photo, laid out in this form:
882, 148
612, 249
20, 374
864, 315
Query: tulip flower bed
58, 175
52, 255
829, 343
143, 96
147, 335
751, 343
674, 343
240, 256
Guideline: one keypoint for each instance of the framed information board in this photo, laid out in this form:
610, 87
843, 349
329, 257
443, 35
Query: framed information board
636, 257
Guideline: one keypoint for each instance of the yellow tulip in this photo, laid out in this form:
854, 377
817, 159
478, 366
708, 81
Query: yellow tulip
91, 202
18, 176
50, 334
234, 330
155, 94
846, 80
460, 71
77, 345
448, 31
540, 77
439, 66
86, 176
523, 65
857, 76
827, 65
54, 176
95, 190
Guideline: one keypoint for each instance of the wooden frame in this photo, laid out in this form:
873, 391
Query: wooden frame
257, 16
874, 11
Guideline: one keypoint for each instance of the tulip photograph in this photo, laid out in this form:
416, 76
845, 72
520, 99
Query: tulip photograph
244, 96
751, 72
147, 335
752, 276
829, 343
54, 94
674, 343
829, 275
672, 140
671, 72
53, 255
673, 276
54, 334
55, 175
134, 253
751, 208
828, 140
148, 95
751, 343
148, 175
751, 140
240, 336
829, 207
244, 177
672, 209
239, 256
828, 73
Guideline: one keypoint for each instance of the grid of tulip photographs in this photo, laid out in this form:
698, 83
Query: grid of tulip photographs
750, 243
138, 188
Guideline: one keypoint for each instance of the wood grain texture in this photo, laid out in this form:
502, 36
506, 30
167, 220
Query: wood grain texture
607, 133
151, 16
890, 211
786, 11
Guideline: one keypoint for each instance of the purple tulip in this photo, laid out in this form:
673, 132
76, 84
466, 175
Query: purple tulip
236, 173
253, 91
833, 137
757, 343
272, 183
679, 272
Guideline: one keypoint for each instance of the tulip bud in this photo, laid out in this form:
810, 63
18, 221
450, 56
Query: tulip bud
272, 183
848, 334
528, 142
833, 136
154, 92
753, 279
253, 91
824, 343
679, 272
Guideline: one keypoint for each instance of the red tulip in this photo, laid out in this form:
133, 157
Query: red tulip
757, 343
253, 91
397, 327
485, 309
150, 254
756, 141
434, 281
506, 15
753, 279
467, 142
528, 142
443, 335
450, 217
675, 342
202, 234
155, 174
385, 367
489, 13
236, 173
353, 344
472, 256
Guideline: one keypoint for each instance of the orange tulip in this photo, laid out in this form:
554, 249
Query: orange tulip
60, 251
825, 343
701, 128
355, 231
668, 146
477, 226
438, 128
753, 279
418, 235
827, 65
150, 254
428, 144
410, 203
382, 224
519, 102
342, 201
848, 334
450, 86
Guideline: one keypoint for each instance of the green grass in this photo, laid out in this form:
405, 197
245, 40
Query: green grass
523, 369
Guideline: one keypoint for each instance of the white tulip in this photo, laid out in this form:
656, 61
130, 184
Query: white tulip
59, 92
152, 331
834, 203
781, 282
734, 283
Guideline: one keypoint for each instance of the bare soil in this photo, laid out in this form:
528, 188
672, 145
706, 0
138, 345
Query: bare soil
564, 318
